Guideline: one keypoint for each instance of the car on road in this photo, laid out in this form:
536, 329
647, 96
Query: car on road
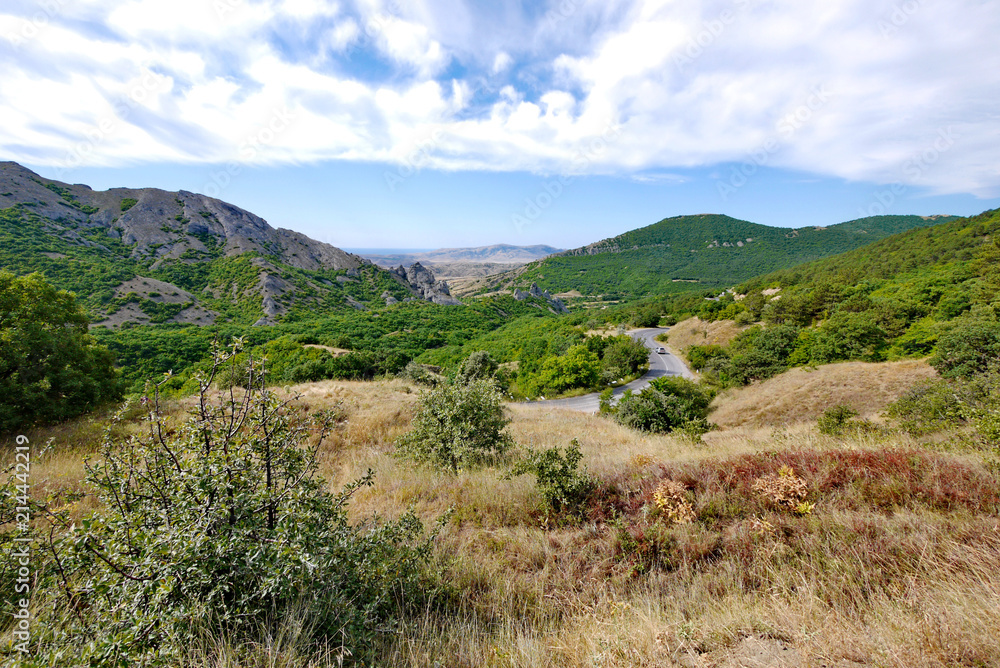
661, 351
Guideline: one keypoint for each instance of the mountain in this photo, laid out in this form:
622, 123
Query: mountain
148, 255
460, 266
498, 253
939, 271
698, 252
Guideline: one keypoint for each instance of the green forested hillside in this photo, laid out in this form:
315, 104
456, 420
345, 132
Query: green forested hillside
687, 253
933, 291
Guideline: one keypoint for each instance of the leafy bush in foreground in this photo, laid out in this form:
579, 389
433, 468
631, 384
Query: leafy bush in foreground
222, 524
458, 426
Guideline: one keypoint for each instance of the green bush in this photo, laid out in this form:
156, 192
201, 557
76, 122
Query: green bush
563, 484
759, 353
968, 347
480, 365
669, 403
51, 369
128, 203
834, 420
927, 407
622, 357
221, 525
458, 426
419, 374
579, 367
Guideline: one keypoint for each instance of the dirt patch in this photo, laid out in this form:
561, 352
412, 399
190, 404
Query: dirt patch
336, 352
801, 394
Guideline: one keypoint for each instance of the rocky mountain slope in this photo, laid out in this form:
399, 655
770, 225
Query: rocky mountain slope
148, 255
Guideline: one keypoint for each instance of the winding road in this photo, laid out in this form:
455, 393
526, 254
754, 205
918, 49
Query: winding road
659, 365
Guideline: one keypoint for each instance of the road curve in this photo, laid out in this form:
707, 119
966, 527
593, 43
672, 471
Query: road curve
659, 365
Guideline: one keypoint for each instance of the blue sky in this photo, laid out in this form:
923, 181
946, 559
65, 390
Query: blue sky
456, 123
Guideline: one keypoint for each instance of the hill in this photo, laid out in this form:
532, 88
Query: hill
687, 253
151, 256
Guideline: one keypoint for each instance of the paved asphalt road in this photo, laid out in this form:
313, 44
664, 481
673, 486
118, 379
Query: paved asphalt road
659, 365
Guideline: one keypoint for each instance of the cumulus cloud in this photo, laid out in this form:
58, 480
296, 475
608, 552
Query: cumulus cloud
874, 90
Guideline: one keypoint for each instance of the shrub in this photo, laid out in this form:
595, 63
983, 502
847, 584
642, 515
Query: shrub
418, 373
604, 401
834, 420
128, 203
579, 367
480, 365
670, 498
563, 484
622, 357
668, 404
785, 490
458, 426
221, 524
760, 353
928, 406
968, 347
850, 336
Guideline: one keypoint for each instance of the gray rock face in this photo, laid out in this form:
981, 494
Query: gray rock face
555, 304
156, 226
423, 284
165, 224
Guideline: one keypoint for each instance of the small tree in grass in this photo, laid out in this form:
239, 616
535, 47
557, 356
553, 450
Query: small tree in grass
458, 426
221, 525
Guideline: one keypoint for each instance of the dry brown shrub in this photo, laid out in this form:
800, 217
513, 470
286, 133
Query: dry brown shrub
784, 489
670, 499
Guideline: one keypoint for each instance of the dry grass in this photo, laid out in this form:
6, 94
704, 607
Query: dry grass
695, 332
894, 566
802, 394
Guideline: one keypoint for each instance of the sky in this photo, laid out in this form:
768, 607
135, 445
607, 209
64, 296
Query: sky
454, 123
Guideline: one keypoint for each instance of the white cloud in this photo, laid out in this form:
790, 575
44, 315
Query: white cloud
502, 62
639, 88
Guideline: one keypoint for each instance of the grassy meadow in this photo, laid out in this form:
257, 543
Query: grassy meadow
687, 553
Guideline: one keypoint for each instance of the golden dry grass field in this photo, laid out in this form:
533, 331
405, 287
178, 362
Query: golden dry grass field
894, 564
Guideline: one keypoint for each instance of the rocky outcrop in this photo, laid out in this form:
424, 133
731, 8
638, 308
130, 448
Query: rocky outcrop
423, 284
555, 303
161, 224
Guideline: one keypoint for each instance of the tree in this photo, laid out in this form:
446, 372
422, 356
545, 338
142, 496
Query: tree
51, 369
221, 524
969, 346
623, 356
577, 368
479, 365
458, 426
